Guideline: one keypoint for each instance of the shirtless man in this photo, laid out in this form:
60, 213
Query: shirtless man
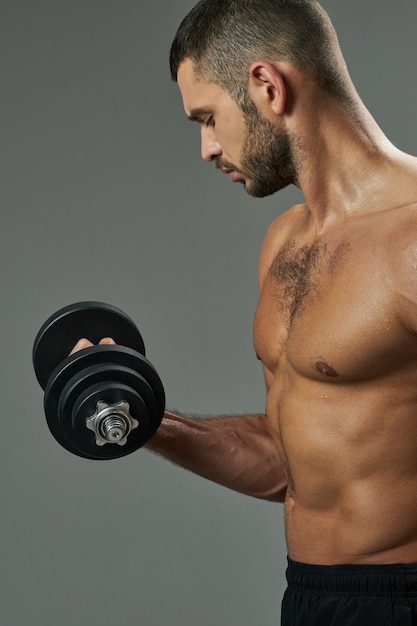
336, 324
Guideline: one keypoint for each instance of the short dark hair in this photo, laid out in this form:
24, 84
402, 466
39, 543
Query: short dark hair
223, 37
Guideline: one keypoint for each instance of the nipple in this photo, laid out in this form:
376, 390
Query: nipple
324, 368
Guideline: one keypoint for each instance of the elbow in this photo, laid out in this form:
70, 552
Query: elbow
275, 492
278, 494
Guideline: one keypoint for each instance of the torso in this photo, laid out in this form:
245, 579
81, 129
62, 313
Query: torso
334, 326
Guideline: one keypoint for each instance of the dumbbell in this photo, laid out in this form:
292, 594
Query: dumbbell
102, 402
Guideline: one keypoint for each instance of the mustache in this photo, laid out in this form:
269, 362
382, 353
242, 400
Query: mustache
222, 164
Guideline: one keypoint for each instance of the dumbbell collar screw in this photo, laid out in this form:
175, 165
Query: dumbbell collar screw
111, 423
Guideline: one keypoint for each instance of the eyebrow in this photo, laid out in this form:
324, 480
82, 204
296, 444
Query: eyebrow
196, 114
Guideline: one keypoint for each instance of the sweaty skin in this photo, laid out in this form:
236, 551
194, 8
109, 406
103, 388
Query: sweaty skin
336, 330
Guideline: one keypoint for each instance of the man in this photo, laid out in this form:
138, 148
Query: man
336, 324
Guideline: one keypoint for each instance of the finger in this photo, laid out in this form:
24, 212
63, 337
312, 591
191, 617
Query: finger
107, 341
81, 345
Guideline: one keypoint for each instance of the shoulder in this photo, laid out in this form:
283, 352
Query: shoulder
400, 240
400, 250
284, 228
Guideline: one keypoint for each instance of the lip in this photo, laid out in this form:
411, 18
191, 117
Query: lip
233, 175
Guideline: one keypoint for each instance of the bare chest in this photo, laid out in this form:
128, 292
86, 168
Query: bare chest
329, 311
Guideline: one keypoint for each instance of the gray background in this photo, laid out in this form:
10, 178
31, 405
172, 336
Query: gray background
105, 197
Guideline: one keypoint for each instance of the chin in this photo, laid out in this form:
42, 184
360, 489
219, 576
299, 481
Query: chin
264, 191
258, 193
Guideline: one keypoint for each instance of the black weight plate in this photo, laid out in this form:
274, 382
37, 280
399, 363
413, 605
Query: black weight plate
108, 365
97, 355
63, 399
92, 320
112, 382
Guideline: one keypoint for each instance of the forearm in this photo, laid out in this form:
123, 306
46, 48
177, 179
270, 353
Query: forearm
237, 452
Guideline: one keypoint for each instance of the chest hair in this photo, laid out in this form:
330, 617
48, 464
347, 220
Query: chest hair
298, 273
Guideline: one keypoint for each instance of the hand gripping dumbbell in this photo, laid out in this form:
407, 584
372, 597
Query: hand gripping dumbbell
105, 401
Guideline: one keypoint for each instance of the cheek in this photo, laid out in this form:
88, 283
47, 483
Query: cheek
233, 141
233, 128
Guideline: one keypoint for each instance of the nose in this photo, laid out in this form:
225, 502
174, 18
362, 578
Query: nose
210, 148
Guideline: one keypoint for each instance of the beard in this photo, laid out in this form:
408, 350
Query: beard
267, 162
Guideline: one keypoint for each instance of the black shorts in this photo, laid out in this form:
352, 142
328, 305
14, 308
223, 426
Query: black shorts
350, 595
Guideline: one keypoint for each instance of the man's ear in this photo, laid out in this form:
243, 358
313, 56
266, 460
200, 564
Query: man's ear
267, 89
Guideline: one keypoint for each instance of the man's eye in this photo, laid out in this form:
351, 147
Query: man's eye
209, 122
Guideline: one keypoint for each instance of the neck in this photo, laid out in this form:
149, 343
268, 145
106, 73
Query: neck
346, 164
